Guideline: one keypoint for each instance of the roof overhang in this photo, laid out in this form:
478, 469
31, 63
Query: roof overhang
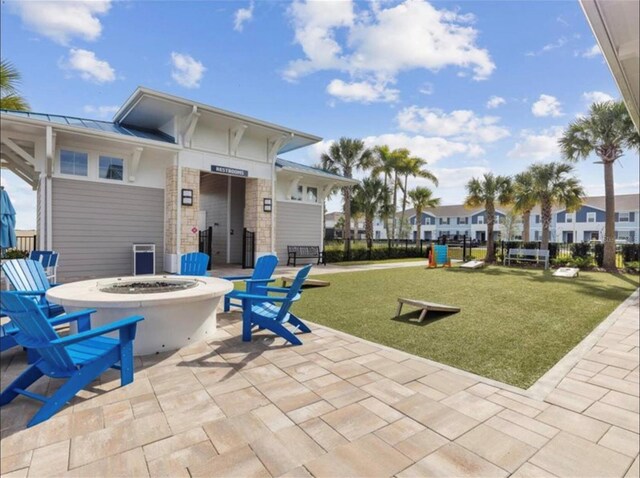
8, 120
294, 169
151, 109
616, 26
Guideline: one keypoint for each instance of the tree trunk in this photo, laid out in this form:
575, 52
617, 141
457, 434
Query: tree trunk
609, 260
545, 212
368, 227
418, 225
346, 228
395, 206
386, 206
526, 225
404, 201
491, 251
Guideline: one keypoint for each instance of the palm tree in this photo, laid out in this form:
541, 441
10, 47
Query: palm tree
422, 198
10, 98
553, 186
414, 167
386, 162
370, 195
347, 155
486, 192
524, 201
328, 195
607, 131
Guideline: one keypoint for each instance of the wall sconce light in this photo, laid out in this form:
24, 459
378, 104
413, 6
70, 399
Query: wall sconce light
187, 197
267, 205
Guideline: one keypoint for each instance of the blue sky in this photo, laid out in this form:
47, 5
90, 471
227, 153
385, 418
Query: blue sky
468, 86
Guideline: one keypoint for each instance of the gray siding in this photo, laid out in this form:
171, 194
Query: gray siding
297, 224
95, 225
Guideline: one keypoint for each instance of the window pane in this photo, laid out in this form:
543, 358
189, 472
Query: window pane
312, 194
73, 162
111, 168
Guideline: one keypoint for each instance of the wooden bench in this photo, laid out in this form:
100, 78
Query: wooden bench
529, 255
426, 307
304, 252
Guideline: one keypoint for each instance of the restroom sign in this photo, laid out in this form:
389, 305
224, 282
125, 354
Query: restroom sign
229, 171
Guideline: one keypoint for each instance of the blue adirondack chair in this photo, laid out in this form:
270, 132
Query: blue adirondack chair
28, 278
194, 264
265, 266
49, 261
80, 358
261, 310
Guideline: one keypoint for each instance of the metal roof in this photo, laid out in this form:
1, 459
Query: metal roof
91, 124
303, 168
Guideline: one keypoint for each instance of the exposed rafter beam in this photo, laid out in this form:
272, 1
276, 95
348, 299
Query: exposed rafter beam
293, 186
19, 167
327, 189
192, 121
18, 150
236, 136
135, 163
277, 142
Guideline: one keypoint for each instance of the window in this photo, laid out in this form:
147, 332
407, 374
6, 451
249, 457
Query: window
591, 217
312, 194
537, 218
480, 219
73, 162
111, 168
377, 233
569, 217
623, 217
536, 236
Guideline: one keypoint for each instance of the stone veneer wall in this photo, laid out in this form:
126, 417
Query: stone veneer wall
189, 214
255, 219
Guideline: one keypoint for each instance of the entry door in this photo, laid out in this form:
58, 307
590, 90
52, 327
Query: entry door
569, 237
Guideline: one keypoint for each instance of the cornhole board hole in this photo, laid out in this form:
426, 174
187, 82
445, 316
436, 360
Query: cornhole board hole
426, 307
567, 272
472, 265
308, 282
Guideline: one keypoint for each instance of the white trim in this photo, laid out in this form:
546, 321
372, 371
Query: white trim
228, 239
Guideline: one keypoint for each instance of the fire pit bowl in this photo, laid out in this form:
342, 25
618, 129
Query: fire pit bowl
178, 310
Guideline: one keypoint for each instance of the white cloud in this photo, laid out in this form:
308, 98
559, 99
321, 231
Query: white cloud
495, 101
559, 43
382, 41
538, 146
547, 105
460, 124
62, 21
426, 88
90, 67
458, 177
242, 16
362, 91
596, 97
101, 111
432, 149
186, 71
592, 52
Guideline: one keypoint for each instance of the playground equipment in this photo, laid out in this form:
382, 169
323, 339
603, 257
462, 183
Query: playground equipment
439, 256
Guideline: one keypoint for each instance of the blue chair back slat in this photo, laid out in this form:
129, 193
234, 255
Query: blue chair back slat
294, 290
35, 331
26, 275
265, 265
46, 258
194, 264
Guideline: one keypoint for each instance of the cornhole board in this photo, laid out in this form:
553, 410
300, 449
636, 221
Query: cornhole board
472, 265
567, 272
308, 282
425, 306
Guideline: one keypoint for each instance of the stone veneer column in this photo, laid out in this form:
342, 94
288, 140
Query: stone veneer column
255, 219
188, 214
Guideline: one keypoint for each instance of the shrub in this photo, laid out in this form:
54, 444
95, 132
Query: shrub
633, 267
561, 261
16, 254
630, 252
580, 249
598, 252
582, 262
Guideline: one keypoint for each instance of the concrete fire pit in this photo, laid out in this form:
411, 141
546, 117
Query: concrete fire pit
178, 310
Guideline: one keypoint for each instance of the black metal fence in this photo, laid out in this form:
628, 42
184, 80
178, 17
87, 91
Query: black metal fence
204, 243
248, 249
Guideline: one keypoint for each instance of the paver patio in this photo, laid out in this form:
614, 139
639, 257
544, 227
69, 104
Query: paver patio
335, 406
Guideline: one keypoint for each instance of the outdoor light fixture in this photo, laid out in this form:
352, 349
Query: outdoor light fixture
266, 205
187, 197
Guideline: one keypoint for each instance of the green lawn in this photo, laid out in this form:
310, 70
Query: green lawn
515, 324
